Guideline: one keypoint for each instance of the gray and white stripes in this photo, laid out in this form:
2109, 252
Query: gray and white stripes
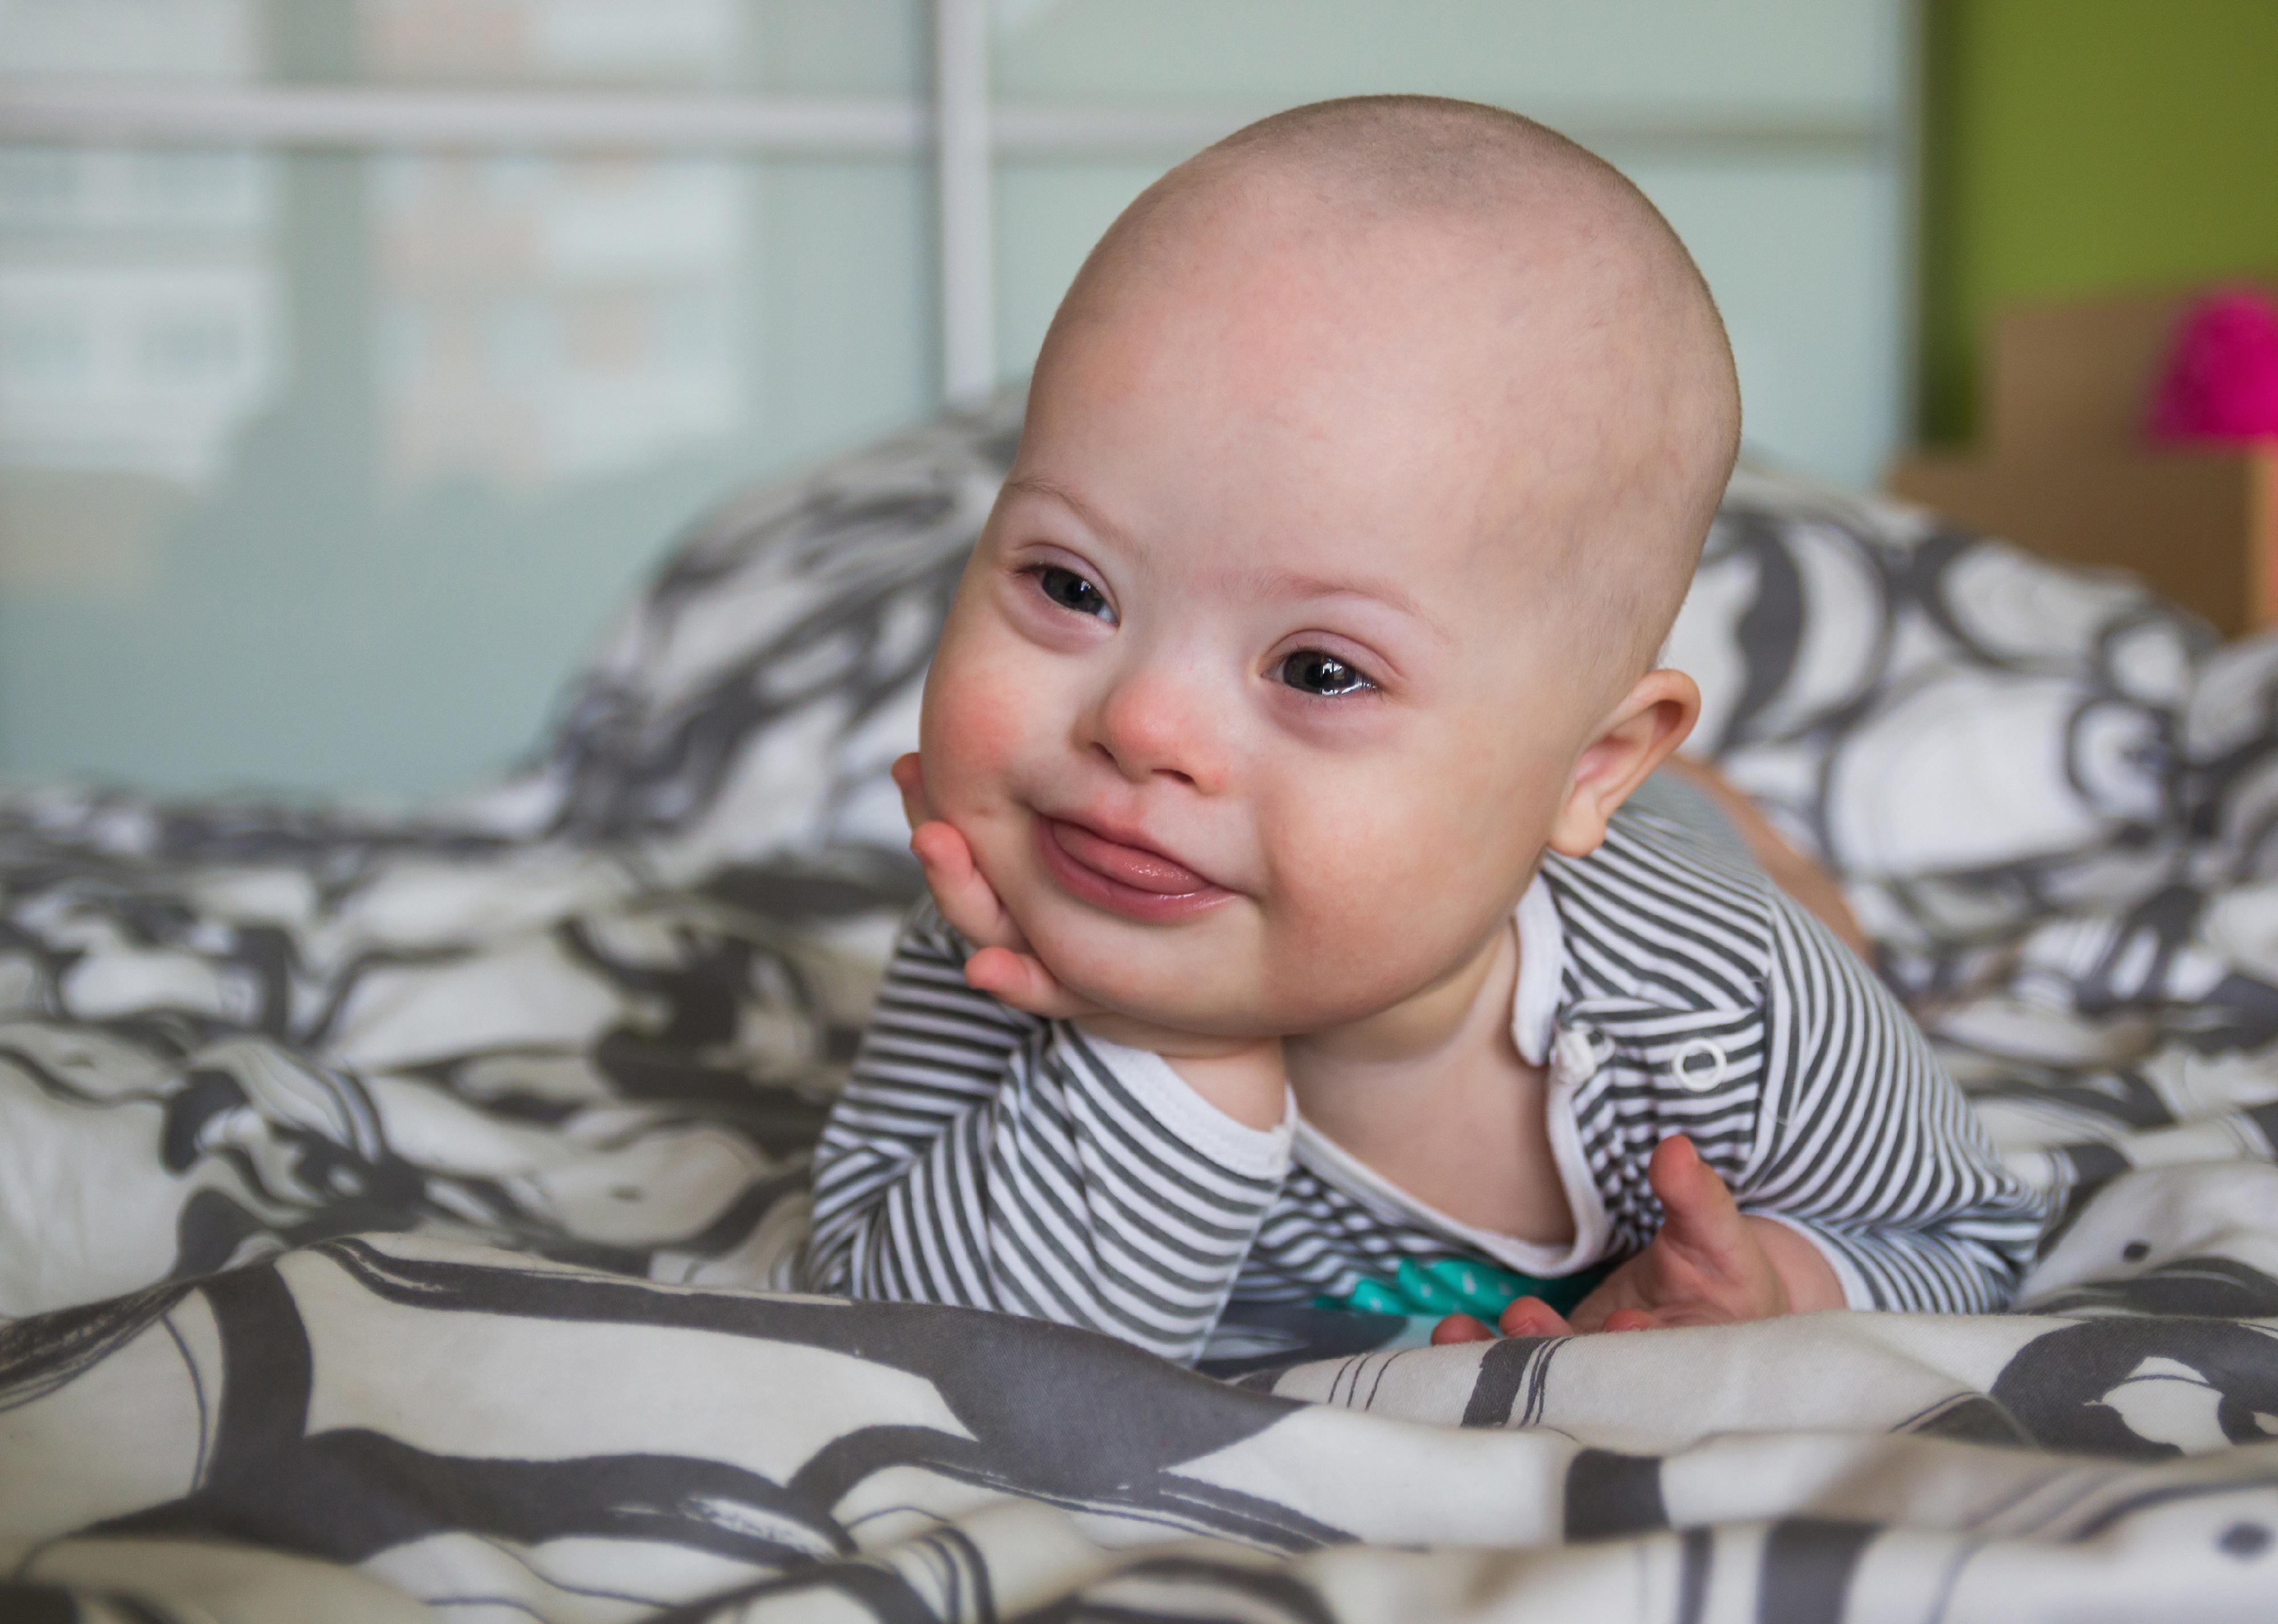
982, 1156
1734, 1017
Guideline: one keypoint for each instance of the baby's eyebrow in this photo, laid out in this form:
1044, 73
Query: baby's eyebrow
1094, 519
1261, 582
1299, 583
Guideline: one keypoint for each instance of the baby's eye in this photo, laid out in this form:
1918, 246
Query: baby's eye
1071, 590
1310, 671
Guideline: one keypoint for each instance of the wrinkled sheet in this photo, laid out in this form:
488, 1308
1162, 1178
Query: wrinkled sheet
397, 1209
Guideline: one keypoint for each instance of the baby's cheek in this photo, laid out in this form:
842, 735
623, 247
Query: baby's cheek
1384, 891
976, 723
1347, 881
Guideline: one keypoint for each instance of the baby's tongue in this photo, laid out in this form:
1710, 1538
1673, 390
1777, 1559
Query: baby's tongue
1142, 871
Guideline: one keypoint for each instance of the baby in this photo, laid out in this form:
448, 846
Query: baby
1287, 941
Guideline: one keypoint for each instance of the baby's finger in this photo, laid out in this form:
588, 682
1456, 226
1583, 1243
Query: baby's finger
1530, 1316
1700, 1215
1459, 1328
966, 899
909, 778
1630, 1319
1021, 981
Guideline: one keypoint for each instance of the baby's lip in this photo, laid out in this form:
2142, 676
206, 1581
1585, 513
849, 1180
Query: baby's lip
1121, 855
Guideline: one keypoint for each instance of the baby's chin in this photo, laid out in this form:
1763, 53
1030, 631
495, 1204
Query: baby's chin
1192, 979
1199, 976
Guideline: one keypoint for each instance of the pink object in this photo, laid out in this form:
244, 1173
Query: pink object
2222, 376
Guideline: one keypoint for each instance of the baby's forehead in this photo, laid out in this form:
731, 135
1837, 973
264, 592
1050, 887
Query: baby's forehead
1377, 332
1431, 437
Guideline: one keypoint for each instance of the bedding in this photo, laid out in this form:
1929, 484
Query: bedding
396, 1211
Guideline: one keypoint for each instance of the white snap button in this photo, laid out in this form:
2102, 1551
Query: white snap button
1698, 1065
1573, 1057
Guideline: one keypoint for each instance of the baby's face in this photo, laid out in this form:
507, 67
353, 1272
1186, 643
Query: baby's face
1250, 706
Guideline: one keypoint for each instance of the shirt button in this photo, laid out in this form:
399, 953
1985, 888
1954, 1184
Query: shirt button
1699, 1065
1573, 1057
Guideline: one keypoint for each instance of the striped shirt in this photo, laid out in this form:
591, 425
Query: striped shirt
984, 1157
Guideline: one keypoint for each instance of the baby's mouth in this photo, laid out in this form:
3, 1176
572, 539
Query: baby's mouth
1135, 881
1140, 867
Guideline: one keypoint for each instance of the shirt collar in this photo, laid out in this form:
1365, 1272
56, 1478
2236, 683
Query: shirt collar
1541, 974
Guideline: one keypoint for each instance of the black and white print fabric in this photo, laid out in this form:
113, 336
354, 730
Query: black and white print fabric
395, 1211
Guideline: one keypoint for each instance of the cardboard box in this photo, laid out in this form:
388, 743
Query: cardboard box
2066, 470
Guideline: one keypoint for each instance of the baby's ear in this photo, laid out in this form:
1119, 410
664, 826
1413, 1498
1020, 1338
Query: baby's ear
1636, 736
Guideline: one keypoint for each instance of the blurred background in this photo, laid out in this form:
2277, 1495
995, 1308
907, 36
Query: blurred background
338, 414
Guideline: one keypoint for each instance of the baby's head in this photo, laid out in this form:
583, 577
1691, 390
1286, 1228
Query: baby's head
1365, 466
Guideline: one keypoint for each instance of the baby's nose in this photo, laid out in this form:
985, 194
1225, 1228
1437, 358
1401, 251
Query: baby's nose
1159, 723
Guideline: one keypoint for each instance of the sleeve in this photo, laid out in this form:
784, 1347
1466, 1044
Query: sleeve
1868, 1148
982, 1157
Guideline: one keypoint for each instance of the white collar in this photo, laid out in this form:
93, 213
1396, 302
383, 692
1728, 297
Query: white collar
1541, 974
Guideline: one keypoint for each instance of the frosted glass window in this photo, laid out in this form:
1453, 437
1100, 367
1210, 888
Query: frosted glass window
318, 471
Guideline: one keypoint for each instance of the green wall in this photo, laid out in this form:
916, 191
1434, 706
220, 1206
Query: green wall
2077, 146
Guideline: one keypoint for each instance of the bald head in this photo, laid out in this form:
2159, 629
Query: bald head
1584, 347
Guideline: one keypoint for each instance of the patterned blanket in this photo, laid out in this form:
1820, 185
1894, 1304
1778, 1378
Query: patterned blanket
396, 1209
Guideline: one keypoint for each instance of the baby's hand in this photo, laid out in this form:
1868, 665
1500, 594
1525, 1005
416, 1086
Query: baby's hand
1004, 967
1240, 1076
1711, 1264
